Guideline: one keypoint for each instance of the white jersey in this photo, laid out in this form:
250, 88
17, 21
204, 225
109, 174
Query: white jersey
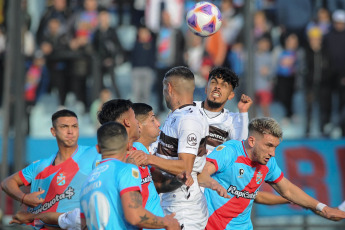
225, 126
342, 206
184, 131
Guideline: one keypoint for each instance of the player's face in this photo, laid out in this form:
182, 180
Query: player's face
135, 129
150, 127
66, 131
264, 148
218, 92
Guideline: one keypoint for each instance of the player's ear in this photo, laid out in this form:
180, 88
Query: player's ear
126, 122
98, 148
251, 141
231, 95
53, 131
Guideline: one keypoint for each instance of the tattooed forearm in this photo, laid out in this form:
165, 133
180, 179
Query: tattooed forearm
130, 160
143, 218
153, 222
136, 200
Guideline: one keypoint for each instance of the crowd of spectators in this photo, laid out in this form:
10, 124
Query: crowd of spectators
76, 44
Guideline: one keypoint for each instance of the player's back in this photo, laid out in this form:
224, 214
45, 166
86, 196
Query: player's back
100, 199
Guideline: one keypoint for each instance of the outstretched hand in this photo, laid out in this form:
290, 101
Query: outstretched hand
137, 157
332, 213
185, 178
22, 218
219, 189
33, 199
244, 103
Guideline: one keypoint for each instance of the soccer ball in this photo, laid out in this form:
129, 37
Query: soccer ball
204, 19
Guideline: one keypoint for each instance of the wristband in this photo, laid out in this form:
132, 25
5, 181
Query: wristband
22, 201
320, 206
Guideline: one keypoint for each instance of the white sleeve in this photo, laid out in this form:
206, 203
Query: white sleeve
70, 220
240, 124
189, 136
342, 206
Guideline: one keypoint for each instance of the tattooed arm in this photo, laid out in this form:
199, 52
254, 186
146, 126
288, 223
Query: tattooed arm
136, 215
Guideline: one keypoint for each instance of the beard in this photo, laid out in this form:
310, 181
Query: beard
213, 105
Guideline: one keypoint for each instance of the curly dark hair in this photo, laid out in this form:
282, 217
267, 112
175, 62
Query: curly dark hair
225, 74
113, 109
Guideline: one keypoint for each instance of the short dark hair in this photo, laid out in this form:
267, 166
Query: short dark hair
63, 113
225, 74
112, 136
141, 109
180, 71
113, 109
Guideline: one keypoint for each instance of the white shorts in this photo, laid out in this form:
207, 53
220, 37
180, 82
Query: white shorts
70, 220
193, 217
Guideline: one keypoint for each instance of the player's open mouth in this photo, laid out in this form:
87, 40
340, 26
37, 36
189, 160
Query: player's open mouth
215, 94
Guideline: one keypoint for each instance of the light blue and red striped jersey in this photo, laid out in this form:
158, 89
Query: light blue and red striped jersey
153, 201
100, 198
61, 183
242, 178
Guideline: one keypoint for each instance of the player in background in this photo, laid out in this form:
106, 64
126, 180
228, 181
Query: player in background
111, 196
149, 131
242, 167
225, 125
55, 181
182, 147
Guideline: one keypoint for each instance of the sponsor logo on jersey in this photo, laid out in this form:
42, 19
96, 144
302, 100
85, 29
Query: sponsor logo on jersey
259, 177
61, 179
241, 194
241, 172
147, 179
135, 173
192, 139
220, 147
68, 193
97, 172
173, 121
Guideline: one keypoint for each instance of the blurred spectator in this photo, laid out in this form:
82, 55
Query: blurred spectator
217, 48
290, 60
87, 20
263, 75
333, 5
35, 82
54, 44
269, 8
236, 60
138, 13
2, 60
143, 64
334, 47
104, 96
293, 16
59, 11
322, 21
170, 51
109, 51
123, 6
315, 73
153, 13
232, 22
261, 26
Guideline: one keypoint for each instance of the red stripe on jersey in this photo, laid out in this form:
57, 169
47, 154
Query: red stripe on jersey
246, 161
244, 149
21, 176
277, 180
82, 215
66, 171
129, 189
144, 172
221, 217
213, 161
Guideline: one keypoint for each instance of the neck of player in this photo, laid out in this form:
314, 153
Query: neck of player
64, 153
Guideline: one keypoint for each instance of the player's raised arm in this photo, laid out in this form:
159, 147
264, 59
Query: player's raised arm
136, 215
293, 193
11, 187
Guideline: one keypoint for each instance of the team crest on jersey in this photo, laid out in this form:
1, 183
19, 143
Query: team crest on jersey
220, 147
61, 179
259, 178
192, 139
135, 173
